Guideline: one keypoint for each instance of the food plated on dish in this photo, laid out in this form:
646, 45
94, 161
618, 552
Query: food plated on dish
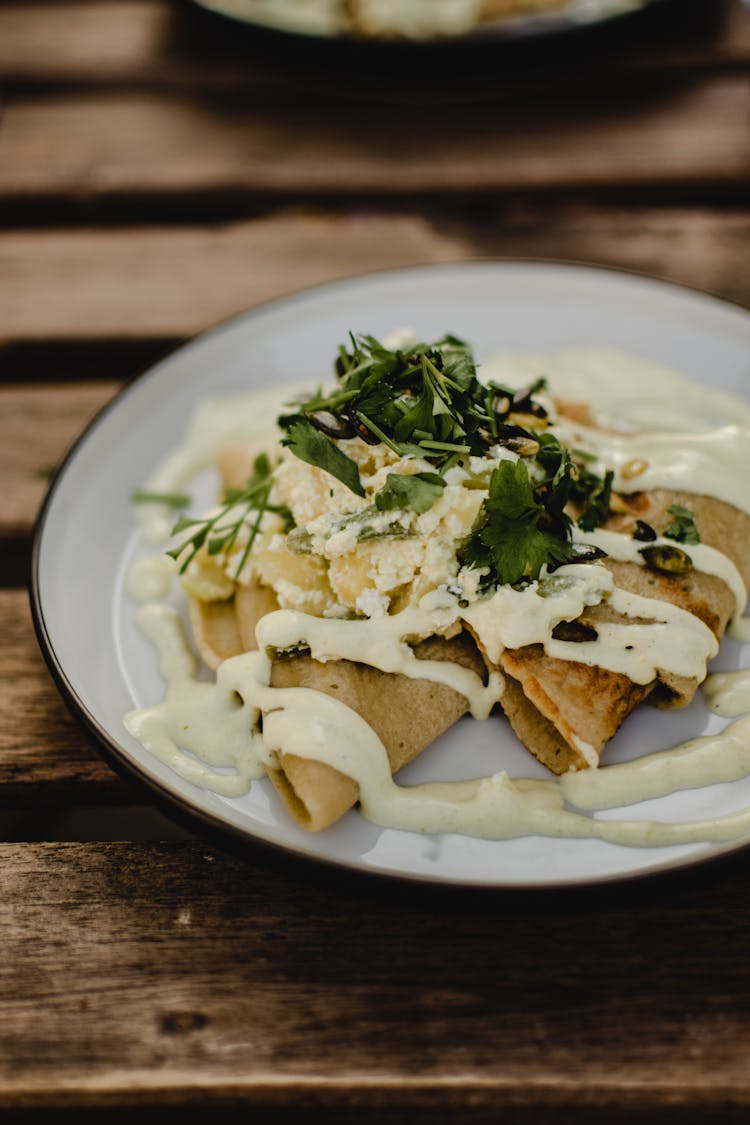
419, 539
416, 20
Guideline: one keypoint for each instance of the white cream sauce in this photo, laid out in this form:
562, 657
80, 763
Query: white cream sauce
211, 720
216, 423
150, 579
379, 643
666, 638
205, 730
702, 441
728, 693
217, 721
711, 462
739, 629
628, 389
623, 548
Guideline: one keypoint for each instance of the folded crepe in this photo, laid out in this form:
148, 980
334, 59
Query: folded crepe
562, 711
417, 711
555, 706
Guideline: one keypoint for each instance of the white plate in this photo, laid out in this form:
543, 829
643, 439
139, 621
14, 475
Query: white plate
85, 540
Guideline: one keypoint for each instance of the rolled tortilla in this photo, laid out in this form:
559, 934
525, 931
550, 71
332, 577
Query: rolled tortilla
406, 714
565, 712
215, 630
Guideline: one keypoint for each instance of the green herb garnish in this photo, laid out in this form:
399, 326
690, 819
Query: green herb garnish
362, 524
423, 401
172, 499
417, 492
515, 534
682, 528
220, 532
595, 494
314, 448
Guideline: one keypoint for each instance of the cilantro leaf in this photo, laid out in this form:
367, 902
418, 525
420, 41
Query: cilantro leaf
424, 399
417, 492
509, 537
313, 447
682, 528
596, 507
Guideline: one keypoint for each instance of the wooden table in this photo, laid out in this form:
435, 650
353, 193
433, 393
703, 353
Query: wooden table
159, 171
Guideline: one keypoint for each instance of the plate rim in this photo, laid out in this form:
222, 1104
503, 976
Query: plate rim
179, 806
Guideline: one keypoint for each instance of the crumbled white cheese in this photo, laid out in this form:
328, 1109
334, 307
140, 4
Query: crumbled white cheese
371, 603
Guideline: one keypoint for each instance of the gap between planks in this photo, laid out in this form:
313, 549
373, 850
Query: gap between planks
152, 42
37, 426
46, 756
165, 283
126, 146
163, 973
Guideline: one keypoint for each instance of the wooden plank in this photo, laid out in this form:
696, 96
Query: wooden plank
152, 41
122, 147
45, 755
38, 424
81, 40
80, 286
177, 975
701, 248
172, 282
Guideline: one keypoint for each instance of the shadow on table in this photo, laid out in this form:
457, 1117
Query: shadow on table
457, 71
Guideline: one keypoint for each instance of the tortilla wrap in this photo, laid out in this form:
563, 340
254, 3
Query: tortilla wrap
406, 714
215, 630
562, 711
555, 706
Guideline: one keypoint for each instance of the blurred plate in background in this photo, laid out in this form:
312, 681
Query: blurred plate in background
425, 20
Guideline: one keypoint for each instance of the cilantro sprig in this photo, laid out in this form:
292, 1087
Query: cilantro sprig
682, 528
509, 538
170, 499
314, 448
426, 401
417, 492
594, 495
220, 531
422, 401
523, 525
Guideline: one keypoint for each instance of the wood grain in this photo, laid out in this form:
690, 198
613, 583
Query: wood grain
45, 756
37, 425
172, 282
78, 286
177, 981
127, 145
176, 973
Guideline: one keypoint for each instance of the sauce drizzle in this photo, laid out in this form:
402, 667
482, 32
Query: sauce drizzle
207, 732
